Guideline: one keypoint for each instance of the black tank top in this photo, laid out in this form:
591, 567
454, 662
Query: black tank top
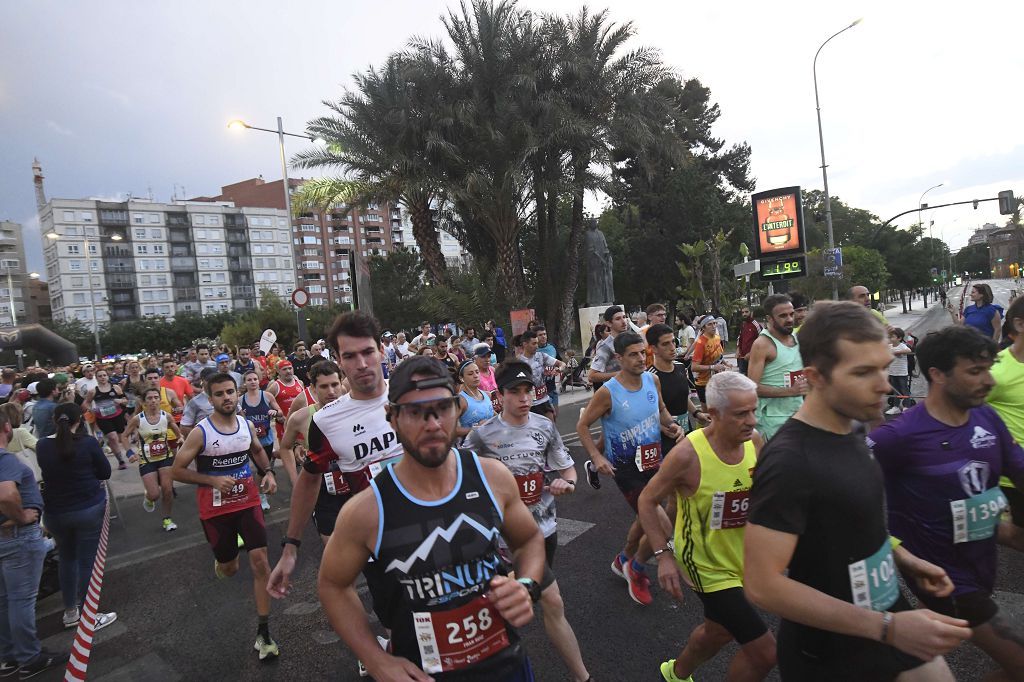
438, 559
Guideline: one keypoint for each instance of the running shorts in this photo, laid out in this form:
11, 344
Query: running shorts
327, 508
222, 532
977, 608
544, 409
730, 609
114, 425
153, 467
631, 482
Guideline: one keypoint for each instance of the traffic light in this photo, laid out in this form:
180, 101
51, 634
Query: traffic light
1006, 202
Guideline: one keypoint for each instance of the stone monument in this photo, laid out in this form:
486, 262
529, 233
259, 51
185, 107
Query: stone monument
599, 266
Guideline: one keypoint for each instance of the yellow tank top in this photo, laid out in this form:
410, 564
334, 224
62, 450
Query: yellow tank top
710, 523
165, 405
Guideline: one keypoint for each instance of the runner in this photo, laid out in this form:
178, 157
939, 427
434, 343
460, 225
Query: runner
475, 405
603, 364
709, 476
550, 376
259, 409
169, 403
630, 408
749, 330
284, 388
708, 355
194, 368
817, 510
180, 385
349, 439
531, 447
224, 362
675, 387
543, 366
301, 362
134, 386
154, 427
482, 357
1007, 398
326, 378
200, 407
245, 363
776, 367
453, 628
107, 401
942, 460
228, 499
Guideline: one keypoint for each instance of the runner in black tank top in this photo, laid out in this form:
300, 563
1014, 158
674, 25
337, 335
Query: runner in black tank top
675, 387
431, 522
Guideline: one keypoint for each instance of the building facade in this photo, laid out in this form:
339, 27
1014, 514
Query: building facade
982, 234
119, 261
1005, 250
325, 243
12, 262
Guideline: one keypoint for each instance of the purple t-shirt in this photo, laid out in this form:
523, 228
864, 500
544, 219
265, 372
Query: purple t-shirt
928, 465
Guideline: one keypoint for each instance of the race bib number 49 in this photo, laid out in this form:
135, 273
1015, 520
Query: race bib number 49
238, 492
455, 639
873, 582
977, 517
730, 509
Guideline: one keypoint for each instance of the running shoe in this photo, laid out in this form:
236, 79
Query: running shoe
668, 672
639, 585
8, 668
618, 567
41, 663
264, 502
104, 619
893, 410
216, 570
71, 617
592, 476
121, 465
170, 525
266, 646
148, 504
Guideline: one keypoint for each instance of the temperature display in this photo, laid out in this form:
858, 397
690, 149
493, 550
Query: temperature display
786, 267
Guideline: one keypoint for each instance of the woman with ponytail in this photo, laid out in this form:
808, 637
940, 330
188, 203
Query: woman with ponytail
73, 466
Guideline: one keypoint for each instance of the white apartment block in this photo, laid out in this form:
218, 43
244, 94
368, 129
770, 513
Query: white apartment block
153, 259
12, 262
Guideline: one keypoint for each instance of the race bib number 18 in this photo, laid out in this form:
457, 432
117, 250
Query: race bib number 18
530, 487
977, 517
455, 639
873, 583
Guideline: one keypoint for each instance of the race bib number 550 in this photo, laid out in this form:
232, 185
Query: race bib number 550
452, 640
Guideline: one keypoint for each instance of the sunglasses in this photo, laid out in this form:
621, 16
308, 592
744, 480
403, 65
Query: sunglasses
423, 409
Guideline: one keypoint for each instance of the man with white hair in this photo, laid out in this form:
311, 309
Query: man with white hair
710, 474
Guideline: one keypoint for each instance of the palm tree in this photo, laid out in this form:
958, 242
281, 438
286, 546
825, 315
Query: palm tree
380, 138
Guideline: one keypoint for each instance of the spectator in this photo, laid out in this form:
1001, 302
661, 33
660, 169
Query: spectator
984, 315
42, 411
88, 380
425, 337
401, 347
749, 329
723, 326
73, 467
469, 341
7, 382
22, 442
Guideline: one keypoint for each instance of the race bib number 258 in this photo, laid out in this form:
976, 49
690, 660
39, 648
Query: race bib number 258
461, 637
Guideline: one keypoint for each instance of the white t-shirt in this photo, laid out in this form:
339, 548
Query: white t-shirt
420, 340
401, 349
83, 385
898, 368
350, 435
687, 335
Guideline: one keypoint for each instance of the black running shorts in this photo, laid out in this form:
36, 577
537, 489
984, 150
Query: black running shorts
730, 609
631, 482
222, 532
977, 608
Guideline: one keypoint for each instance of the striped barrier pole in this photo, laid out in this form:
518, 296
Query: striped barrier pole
81, 647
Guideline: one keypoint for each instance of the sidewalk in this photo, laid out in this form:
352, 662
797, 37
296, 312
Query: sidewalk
909, 320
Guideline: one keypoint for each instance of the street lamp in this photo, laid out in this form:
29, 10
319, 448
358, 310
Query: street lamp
821, 143
88, 267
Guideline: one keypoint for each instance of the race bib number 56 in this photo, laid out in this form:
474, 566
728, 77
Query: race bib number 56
455, 639
730, 509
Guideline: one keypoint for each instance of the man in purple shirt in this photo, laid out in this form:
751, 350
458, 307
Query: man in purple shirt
942, 461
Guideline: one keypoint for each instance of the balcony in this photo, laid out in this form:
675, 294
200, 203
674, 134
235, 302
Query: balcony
110, 251
237, 237
238, 251
241, 277
182, 251
123, 313
123, 298
182, 264
178, 220
243, 291
186, 294
243, 263
234, 220
120, 282
110, 217
120, 268
180, 235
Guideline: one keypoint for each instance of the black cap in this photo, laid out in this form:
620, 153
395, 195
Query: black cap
512, 374
435, 372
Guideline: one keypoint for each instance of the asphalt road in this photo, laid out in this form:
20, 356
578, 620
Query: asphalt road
176, 621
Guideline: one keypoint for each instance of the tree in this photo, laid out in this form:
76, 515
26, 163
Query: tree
397, 281
860, 266
974, 259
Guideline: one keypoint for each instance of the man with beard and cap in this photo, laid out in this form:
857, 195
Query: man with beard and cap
432, 522
776, 367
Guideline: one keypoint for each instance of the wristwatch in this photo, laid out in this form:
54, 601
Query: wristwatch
291, 541
533, 587
659, 552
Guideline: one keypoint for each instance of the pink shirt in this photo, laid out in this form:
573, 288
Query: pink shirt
487, 382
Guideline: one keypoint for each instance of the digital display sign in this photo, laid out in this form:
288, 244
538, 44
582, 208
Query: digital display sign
784, 268
778, 222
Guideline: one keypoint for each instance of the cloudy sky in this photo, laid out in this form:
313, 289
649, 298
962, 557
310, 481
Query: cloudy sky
133, 97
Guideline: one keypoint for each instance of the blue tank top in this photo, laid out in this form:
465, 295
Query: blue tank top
980, 317
633, 420
476, 409
259, 417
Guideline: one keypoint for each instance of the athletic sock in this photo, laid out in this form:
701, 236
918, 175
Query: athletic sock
637, 567
264, 627
623, 559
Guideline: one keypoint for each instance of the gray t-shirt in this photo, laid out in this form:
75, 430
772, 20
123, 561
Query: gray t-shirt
194, 369
604, 356
12, 468
197, 409
539, 363
530, 452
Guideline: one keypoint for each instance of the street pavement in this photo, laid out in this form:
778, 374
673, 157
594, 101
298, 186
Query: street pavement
176, 621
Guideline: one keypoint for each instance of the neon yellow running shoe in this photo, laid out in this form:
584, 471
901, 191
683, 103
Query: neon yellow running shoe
668, 672
267, 647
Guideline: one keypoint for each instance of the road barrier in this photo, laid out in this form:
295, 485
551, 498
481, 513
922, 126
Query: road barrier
81, 647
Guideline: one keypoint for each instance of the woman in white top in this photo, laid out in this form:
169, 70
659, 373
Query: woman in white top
156, 453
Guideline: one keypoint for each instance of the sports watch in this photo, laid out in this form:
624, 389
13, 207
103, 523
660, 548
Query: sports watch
291, 541
532, 587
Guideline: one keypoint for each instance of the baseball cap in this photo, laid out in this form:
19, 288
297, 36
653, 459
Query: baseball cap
401, 380
284, 363
223, 357
387, 335
512, 374
60, 378
33, 388
482, 350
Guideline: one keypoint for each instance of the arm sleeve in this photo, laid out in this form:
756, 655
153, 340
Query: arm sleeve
884, 445
780, 498
100, 463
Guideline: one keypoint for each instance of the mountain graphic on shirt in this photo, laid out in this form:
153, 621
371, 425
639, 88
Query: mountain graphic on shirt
440, 533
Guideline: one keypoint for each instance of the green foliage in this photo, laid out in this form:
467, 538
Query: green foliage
397, 283
470, 298
860, 266
973, 259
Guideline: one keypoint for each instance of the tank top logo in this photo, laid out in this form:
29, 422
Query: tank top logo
377, 444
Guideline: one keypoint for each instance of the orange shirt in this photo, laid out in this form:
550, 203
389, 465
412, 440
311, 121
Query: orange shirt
706, 352
180, 385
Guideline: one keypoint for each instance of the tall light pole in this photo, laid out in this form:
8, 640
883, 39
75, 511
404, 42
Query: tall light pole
92, 297
824, 167
931, 244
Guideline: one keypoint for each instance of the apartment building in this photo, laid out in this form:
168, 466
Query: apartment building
12, 262
116, 261
325, 243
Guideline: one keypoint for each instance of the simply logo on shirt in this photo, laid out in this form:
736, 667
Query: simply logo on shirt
982, 439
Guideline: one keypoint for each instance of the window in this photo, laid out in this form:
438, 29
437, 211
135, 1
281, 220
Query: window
73, 231
147, 295
85, 216
208, 292
160, 264
78, 281
158, 249
141, 249
204, 263
154, 218
310, 240
307, 228
138, 219
160, 280
156, 233
147, 310
140, 234
74, 250
213, 220
269, 236
146, 280
200, 234
312, 264
95, 280
216, 234
220, 277
92, 231
164, 309
198, 220
161, 295
282, 237
75, 265
222, 293
216, 249
78, 299
205, 278
69, 215
202, 249
143, 264
309, 252
92, 250
218, 263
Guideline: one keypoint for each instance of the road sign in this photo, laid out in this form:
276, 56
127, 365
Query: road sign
300, 297
745, 269
833, 260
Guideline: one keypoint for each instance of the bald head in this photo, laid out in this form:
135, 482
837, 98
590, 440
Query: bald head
860, 294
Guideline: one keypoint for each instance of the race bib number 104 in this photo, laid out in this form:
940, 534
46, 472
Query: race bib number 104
873, 583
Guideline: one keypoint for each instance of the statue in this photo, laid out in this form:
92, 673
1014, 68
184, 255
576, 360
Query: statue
599, 266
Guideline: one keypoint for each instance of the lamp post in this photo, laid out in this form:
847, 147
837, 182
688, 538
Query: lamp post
92, 298
920, 221
821, 143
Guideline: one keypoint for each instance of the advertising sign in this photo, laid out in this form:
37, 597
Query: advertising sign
778, 222
519, 319
833, 260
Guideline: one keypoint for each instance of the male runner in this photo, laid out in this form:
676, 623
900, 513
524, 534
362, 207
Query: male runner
195, 367
245, 363
285, 388
675, 387
155, 428
431, 522
530, 446
709, 475
259, 409
542, 366
604, 365
817, 550
200, 407
228, 499
942, 461
550, 378
862, 295
349, 439
776, 367
656, 314
169, 403
1007, 398
634, 418
301, 362
181, 386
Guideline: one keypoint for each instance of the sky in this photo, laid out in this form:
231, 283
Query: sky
119, 98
